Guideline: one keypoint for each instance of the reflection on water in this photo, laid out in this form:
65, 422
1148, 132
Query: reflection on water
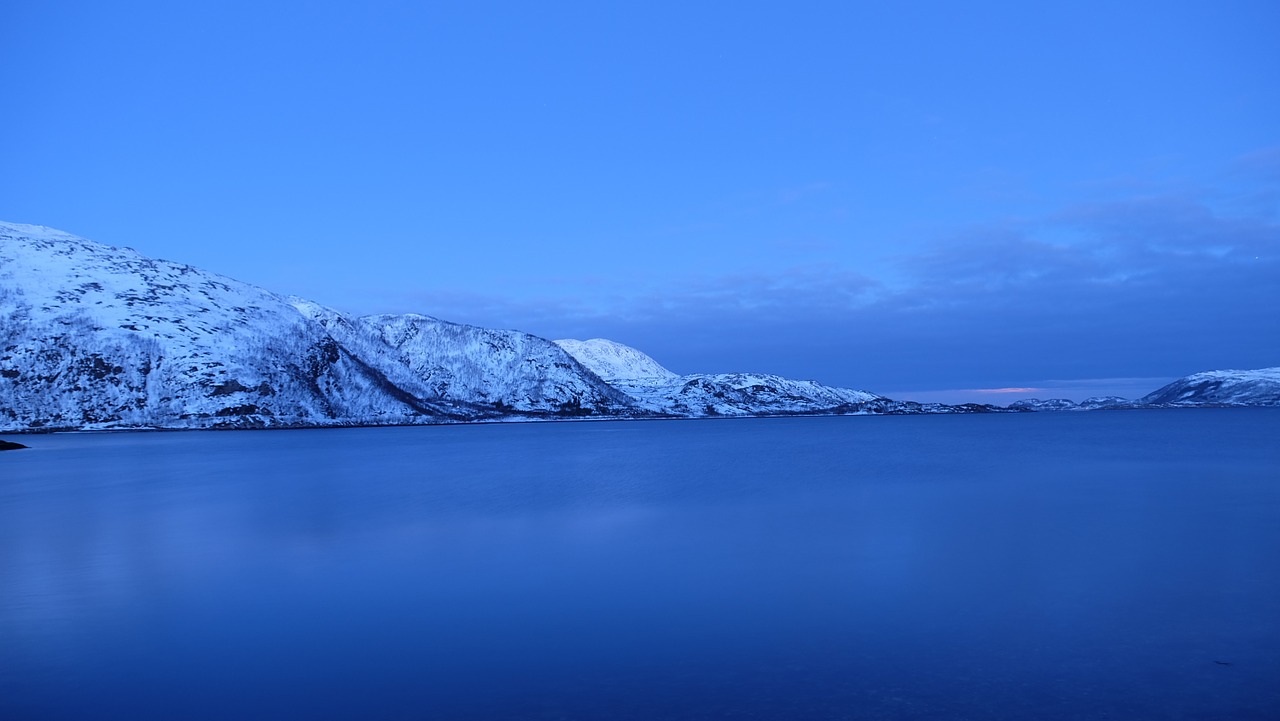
1045, 566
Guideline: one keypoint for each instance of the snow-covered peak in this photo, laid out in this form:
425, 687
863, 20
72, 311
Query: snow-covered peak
615, 361
1259, 387
41, 232
58, 272
1236, 376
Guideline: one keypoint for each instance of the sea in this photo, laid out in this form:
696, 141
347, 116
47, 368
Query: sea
1090, 565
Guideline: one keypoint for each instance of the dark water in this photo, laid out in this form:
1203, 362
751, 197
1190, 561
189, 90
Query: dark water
1052, 566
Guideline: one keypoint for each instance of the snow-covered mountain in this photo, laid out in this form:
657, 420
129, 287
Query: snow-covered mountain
740, 394
1035, 404
463, 365
1227, 388
720, 394
1104, 403
614, 361
1063, 404
1211, 388
93, 336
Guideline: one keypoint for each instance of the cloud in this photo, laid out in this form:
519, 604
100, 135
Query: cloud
499, 311
762, 295
1147, 285
1260, 165
1150, 285
990, 260
775, 294
1171, 226
1145, 237
1138, 262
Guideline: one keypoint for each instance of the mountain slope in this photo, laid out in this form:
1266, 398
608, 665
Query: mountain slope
93, 336
1259, 387
505, 368
718, 394
614, 361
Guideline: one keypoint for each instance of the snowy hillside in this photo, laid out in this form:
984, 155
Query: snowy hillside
1211, 388
736, 394
615, 361
1036, 404
509, 369
722, 394
1229, 387
93, 336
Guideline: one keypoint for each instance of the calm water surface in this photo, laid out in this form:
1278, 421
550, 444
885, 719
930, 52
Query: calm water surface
1051, 566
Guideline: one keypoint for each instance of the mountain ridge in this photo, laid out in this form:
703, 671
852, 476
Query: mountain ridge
93, 336
1258, 388
96, 337
99, 337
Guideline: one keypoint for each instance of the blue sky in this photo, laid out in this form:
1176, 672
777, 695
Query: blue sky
1082, 197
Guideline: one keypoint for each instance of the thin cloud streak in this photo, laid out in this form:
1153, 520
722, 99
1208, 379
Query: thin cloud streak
1149, 286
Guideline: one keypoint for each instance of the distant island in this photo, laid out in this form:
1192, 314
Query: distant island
98, 338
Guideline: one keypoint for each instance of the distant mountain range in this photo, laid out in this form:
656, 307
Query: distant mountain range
98, 337
1212, 388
